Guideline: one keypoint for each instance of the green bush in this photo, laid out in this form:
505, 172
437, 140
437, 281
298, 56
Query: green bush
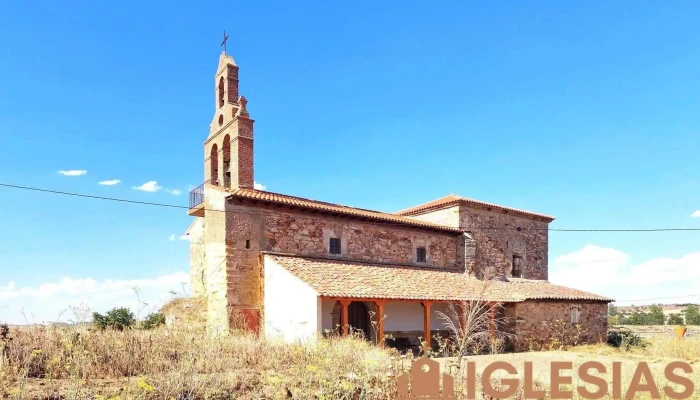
692, 315
117, 318
625, 339
153, 321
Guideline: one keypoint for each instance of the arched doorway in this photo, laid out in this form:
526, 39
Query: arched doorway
358, 317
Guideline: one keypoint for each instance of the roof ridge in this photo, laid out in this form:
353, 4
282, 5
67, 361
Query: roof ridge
302, 202
369, 263
452, 198
430, 201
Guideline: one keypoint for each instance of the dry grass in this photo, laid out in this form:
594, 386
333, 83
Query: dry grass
658, 347
78, 363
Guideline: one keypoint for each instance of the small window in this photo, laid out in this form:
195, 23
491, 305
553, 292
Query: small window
575, 314
334, 246
517, 270
420, 254
247, 244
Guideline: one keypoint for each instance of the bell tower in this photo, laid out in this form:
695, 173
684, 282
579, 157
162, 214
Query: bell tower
228, 151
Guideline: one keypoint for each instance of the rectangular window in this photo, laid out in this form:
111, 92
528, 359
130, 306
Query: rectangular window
247, 244
575, 314
420, 254
334, 246
517, 271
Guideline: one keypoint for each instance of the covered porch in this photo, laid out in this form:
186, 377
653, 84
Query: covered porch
406, 322
308, 297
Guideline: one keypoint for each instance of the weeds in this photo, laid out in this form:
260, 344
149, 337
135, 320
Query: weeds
163, 363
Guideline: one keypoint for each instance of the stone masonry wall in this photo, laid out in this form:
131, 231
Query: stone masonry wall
533, 321
252, 229
497, 240
197, 258
216, 279
309, 234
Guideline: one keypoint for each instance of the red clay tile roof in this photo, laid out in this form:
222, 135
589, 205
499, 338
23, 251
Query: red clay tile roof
276, 198
349, 279
451, 200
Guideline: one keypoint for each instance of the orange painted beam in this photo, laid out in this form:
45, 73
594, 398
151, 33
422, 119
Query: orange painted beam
344, 325
426, 321
459, 308
492, 319
380, 320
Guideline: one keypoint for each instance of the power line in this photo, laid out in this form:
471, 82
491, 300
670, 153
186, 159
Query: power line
92, 197
58, 192
657, 298
626, 230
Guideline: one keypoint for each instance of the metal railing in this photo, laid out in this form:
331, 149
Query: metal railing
197, 196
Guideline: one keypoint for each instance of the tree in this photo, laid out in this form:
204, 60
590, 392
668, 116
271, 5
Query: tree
613, 311
117, 318
675, 319
638, 319
153, 321
692, 315
656, 315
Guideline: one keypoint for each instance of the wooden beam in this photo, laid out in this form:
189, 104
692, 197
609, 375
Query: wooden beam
426, 322
344, 316
462, 317
380, 320
492, 320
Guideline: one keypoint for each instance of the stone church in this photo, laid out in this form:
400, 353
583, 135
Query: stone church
296, 268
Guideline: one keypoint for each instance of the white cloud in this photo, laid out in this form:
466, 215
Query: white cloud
259, 186
110, 183
150, 186
174, 237
174, 192
608, 271
72, 172
696, 214
48, 301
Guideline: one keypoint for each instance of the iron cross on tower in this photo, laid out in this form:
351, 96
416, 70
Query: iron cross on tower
223, 42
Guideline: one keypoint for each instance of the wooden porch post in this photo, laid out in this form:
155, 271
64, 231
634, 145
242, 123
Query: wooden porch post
344, 316
426, 321
459, 306
380, 320
492, 319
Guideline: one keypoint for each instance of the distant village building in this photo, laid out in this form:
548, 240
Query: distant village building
295, 268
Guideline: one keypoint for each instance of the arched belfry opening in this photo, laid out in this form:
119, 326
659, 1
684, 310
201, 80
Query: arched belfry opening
221, 92
214, 163
227, 161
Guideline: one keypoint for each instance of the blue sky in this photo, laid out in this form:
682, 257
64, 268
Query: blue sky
587, 112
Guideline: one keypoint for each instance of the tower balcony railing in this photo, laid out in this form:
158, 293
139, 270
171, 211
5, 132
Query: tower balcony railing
197, 196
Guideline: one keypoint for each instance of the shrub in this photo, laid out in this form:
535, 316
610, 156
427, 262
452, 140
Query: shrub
625, 339
153, 321
117, 318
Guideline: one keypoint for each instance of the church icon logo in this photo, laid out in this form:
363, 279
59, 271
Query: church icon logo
425, 382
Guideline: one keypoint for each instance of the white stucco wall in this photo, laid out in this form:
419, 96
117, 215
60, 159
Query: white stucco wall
399, 316
326, 314
292, 308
